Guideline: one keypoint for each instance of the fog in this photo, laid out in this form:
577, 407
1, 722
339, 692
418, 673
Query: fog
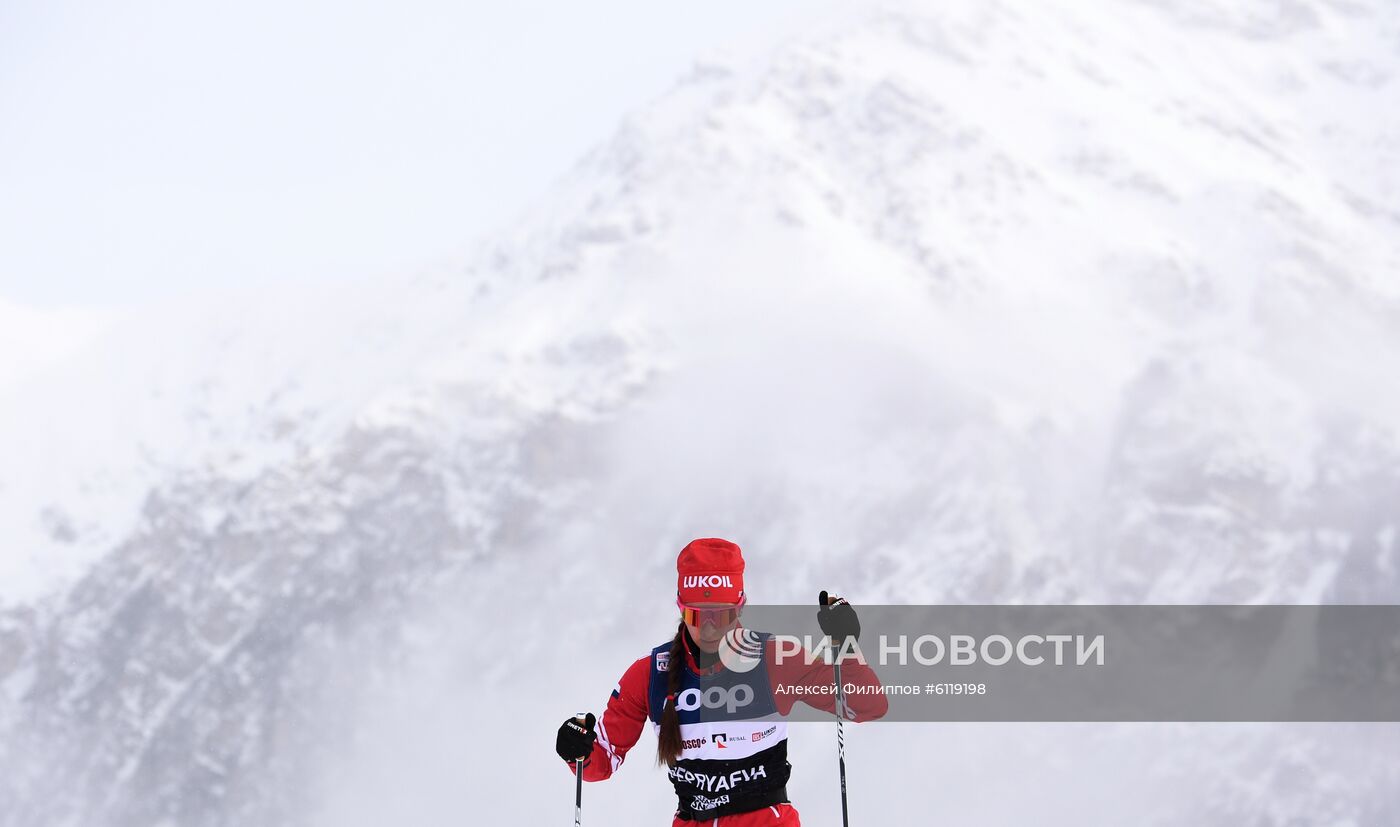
994, 303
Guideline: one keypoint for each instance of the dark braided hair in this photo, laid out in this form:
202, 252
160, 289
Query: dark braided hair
668, 741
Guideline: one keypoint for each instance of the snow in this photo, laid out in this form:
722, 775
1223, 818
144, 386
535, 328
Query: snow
991, 303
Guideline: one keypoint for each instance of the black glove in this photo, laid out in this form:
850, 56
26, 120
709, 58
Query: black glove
575, 739
838, 619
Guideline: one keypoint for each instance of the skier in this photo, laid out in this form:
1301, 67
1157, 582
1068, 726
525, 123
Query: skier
717, 732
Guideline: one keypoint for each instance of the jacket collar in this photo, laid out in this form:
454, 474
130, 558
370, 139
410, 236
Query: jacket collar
694, 657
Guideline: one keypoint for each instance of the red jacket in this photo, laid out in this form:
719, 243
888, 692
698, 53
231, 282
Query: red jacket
788, 682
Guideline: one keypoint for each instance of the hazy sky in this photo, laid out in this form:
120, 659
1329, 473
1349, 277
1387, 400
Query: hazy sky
153, 148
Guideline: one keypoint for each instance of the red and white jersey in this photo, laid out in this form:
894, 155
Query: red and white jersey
733, 732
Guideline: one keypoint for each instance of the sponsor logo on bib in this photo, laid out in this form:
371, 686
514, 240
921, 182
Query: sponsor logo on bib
700, 802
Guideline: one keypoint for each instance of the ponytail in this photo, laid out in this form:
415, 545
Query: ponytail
668, 740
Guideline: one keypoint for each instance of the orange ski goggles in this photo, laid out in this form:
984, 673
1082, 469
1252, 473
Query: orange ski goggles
718, 615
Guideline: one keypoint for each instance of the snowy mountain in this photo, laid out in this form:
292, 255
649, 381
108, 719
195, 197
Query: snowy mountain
999, 302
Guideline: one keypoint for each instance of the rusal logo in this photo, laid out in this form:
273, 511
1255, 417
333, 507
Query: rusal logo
706, 581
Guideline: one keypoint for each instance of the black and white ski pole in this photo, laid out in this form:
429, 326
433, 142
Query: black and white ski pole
840, 715
841, 742
578, 792
586, 719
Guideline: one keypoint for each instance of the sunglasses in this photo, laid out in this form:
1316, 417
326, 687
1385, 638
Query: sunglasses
718, 615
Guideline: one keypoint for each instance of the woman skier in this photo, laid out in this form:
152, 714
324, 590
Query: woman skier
717, 728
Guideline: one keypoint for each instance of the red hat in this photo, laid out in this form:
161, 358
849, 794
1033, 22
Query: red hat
710, 571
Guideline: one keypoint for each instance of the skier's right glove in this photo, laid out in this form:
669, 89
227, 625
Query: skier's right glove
576, 736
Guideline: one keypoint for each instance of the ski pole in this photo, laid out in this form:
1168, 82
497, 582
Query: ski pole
587, 720
578, 792
841, 741
840, 715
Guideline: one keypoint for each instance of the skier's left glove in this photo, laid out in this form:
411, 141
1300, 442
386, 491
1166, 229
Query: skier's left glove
837, 618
